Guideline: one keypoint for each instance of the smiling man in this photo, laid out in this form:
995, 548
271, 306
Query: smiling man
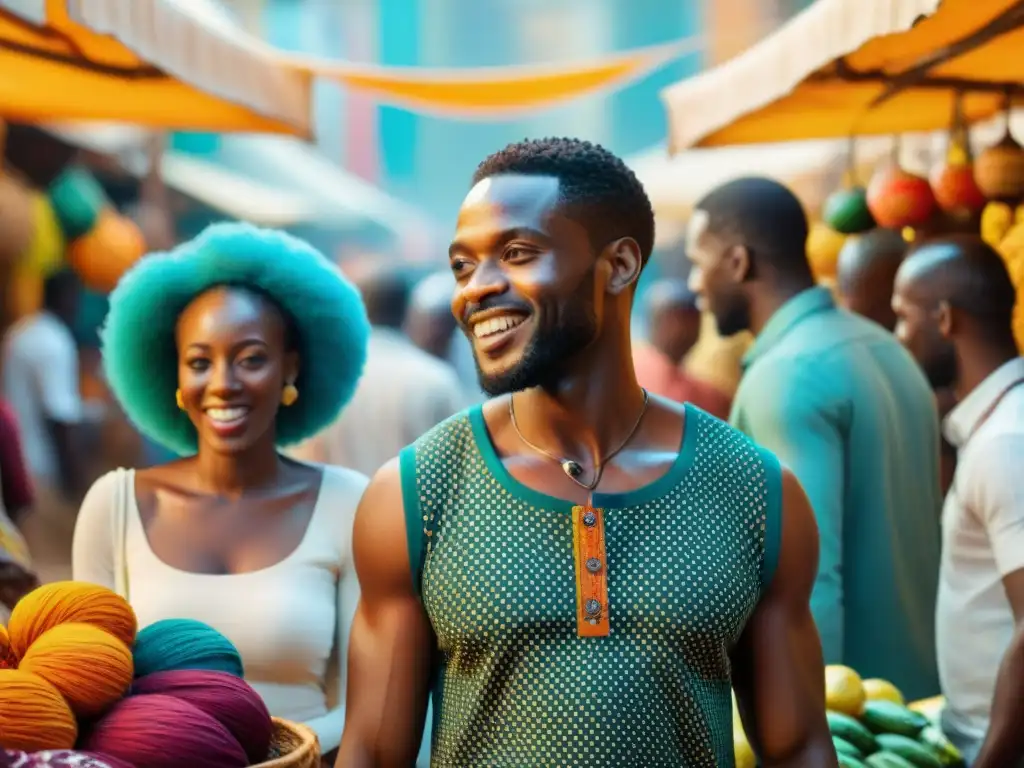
588, 570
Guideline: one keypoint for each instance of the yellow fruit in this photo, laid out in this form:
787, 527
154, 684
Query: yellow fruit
844, 690
876, 689
743, 752
996, 220
823, 246
930, 708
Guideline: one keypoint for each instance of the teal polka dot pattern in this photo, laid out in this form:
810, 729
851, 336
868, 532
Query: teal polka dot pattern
515, 685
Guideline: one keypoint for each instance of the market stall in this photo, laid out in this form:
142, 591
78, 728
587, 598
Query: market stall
158, 62
885, 67
856, 67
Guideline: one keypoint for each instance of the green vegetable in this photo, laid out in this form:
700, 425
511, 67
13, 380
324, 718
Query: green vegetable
912, 751
889, 717
852, 732
843, 747
845, 761
936, 741
887, 760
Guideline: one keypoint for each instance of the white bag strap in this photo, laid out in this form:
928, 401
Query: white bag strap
120, 533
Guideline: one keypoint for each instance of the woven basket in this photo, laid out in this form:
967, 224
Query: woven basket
292, 746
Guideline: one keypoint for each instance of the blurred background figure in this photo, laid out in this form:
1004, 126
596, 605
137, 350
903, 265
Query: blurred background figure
430, 325
16, 576
403, 392
673, 328
42, 385
865, 272
849, 411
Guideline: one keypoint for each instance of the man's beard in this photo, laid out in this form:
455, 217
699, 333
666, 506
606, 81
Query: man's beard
552, 346
732, 316
941, 368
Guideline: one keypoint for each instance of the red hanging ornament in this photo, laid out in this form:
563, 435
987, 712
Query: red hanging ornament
953, 182
898, 198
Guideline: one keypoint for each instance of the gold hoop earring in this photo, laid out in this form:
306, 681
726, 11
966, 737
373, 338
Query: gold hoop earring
289, 395
179, 399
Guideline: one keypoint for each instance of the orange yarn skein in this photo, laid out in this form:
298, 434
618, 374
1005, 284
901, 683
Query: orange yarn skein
70, 601
33, 714
7, 660
91, 668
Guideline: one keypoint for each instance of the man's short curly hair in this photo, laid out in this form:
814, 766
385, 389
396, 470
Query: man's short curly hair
322, 309
597, 188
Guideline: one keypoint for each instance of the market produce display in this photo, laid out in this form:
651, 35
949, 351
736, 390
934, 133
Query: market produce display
79, 685
872, 726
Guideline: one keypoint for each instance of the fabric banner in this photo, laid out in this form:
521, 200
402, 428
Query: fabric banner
499, 92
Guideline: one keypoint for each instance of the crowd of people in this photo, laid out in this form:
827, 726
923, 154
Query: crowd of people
477, 520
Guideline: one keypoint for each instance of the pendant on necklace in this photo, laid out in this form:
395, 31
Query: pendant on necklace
571, 468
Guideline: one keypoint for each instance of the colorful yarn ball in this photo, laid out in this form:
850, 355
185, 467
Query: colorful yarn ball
33, 714
184, 644
61, 758
158, 731
62, 602
227, 699
90, 667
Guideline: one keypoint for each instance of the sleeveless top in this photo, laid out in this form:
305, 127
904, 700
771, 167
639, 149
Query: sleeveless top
688, 557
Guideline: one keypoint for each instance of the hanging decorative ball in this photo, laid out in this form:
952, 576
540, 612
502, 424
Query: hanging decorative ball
823, 246
102, 255
999, 170
846, 211
955, 188
77, 199
898, 198
16, 222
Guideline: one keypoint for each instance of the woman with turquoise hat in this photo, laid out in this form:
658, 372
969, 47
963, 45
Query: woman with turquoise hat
226, 350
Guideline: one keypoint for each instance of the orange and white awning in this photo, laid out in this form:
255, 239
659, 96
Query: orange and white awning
165, 63
184, 64
856, 67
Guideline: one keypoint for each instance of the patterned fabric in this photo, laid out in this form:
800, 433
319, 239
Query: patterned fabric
59, 759
687, 558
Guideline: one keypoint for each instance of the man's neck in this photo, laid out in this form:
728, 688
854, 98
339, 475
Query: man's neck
976, 362
765, 303
587, 413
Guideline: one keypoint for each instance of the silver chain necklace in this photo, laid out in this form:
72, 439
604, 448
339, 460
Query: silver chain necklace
572, 469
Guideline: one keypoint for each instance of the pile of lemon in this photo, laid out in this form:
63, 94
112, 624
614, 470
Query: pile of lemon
871, 726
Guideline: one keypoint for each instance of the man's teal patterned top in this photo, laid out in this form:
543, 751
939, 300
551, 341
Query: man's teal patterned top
687, 559
844, 406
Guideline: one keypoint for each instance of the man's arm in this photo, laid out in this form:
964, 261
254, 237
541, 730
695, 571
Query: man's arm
391, 642
995, 492
778, 672
786, 413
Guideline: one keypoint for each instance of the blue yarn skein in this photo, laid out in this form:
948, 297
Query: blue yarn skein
184, 644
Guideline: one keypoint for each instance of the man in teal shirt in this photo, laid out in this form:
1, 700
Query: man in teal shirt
842, 403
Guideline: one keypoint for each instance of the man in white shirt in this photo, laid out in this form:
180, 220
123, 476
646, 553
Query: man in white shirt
954, 302
403, 392
41, 384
